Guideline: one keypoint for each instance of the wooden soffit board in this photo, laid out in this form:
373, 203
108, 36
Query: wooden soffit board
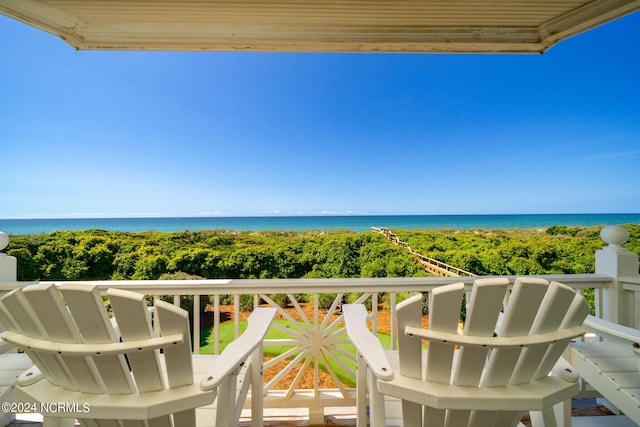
524, 26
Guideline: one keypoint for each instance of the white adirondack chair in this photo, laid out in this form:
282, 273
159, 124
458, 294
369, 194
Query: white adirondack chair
473, 379
611, 366
103, 374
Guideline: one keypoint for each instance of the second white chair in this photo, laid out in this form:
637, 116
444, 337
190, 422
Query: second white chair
489, 375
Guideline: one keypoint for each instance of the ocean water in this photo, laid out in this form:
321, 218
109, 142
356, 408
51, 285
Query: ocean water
300, 223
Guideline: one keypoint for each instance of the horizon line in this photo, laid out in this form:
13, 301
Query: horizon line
289, 215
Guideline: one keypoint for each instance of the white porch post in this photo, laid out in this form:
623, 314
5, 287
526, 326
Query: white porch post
616, 261
8, 264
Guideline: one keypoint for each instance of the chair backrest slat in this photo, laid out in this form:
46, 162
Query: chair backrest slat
87, 308
576, 313
409, 312
23, 317
523, 306
59, 326
519, 315
134, 323
53, 315
482, 316
445, 304
553, 308
7, 317
173, 320
551, 313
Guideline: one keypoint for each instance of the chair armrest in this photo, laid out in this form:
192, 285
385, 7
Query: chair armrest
494, 342
92, 350
237, 352
30, 376
5, 347
366, 344
619, 334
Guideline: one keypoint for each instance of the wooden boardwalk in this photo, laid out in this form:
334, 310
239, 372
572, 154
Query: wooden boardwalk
430, 265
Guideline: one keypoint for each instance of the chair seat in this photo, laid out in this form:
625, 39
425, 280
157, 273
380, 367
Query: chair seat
534, 396
156, 404
130, 406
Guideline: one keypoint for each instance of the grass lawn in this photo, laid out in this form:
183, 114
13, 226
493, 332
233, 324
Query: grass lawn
226, 336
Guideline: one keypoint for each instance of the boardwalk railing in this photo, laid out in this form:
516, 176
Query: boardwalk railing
430, 265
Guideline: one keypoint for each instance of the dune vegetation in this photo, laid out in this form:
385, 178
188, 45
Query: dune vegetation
103, 255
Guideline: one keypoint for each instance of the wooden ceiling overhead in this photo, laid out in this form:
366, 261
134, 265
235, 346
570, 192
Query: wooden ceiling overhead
524, 26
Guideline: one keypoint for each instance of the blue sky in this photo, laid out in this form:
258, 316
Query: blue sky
86, 133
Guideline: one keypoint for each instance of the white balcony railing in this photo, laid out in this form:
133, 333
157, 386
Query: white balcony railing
312, 340
313, 356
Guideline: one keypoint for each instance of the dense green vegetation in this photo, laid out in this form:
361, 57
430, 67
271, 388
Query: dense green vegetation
556, 250
102, 255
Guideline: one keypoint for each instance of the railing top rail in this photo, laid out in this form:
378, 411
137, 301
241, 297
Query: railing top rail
630, 279
272, 286
630, 283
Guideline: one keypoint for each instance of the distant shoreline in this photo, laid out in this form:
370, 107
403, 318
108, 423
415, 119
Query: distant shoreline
357, 223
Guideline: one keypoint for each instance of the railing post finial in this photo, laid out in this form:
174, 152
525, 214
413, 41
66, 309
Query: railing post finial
615, 236
8, 264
